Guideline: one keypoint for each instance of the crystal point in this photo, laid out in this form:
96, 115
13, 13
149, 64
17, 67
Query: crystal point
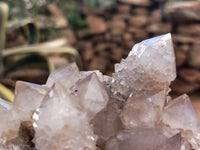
91, 92
141, 70
173, 143
60, 118
67, 76
184, 115
86, 110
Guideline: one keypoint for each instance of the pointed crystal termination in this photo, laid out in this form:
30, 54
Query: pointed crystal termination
88, 111
60, 123
67, 76
92, 93
180, 114
184, 115
24, 103
28, 97
149, 66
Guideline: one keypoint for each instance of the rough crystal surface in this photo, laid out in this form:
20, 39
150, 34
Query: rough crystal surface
173, 143
67, 76
77, 110
141, 70
138, 138
91, 93
184, 115
60, 123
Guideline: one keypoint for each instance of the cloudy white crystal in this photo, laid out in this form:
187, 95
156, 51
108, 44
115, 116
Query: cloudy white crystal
149, 66
62, 123
88, 111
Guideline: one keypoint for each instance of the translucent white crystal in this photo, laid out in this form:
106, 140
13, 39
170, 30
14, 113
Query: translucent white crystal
5, 104
91, 93
138, 139
90, 111
67, 76
150, 65
28, 97
62, 123
180, 113
140, 112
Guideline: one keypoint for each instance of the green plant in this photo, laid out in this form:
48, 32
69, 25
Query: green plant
3, 19
30, 55
74, 18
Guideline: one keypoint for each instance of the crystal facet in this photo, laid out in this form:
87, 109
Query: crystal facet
141, 70
77, 110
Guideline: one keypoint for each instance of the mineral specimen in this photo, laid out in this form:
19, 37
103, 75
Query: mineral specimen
77, 110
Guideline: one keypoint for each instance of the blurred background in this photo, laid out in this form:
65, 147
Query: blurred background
38, 36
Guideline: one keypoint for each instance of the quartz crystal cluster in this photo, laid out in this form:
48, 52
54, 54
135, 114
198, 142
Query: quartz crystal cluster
78, 110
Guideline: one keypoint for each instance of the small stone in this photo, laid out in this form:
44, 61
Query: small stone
193, 58
190, 75
189, 30
137, 2
117, 24
159, 28
127, 37
124, 8
138, 21
180, 86
140, 11
155, 16
181, 58
183, 39
96, 24
182, 11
